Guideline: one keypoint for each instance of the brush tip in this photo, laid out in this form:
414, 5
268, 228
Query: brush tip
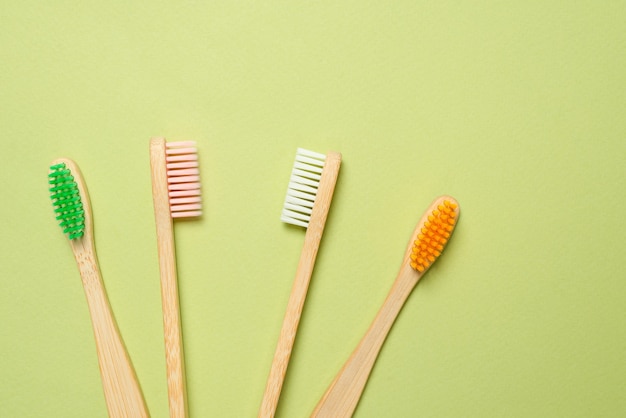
183, 179
434, 233
303, 186
66, 200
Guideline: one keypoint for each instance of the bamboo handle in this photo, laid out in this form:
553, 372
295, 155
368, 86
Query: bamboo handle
174, 358
121, 389
343, 394
300, 286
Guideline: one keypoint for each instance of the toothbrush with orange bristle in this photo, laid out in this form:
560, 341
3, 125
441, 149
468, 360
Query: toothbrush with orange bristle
68, 191
176, 194
427, 242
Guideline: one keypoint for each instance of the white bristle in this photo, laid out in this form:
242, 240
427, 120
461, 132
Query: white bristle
183, 178
296, 177
302, 188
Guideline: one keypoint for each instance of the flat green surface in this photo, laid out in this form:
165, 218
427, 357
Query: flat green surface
517, 109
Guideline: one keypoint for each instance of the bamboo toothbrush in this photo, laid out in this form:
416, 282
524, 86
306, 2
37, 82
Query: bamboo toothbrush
176, 194
427, 242
69, 196
309, 194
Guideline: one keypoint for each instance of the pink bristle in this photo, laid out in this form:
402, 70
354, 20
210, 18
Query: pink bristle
183, 186
185, 208
186, 164
186, 214
184, 157
181, 200
183, 179
184, 172
181, 193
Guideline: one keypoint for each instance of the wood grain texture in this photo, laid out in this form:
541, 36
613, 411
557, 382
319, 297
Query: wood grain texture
174, 358
300, 287
344, 393
122, 392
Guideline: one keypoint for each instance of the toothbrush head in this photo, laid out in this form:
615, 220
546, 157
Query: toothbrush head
303, 187
433, 232
66, 200
183, 179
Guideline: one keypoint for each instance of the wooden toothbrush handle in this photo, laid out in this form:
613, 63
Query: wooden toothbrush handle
300, 286
343, 394
121, 388
174, 357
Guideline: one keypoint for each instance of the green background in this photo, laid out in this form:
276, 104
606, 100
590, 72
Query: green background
517, 109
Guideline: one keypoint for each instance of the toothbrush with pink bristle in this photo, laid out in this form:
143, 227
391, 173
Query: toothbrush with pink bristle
176, 194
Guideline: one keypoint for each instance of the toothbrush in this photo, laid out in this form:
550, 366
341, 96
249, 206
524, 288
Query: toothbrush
69, 196
176, 194
308, 199
427, 243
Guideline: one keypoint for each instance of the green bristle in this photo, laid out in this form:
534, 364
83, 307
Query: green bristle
66, 201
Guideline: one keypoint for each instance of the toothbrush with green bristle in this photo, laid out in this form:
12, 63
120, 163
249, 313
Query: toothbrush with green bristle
70, 199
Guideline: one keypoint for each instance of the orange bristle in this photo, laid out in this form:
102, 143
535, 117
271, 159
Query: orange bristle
434, 235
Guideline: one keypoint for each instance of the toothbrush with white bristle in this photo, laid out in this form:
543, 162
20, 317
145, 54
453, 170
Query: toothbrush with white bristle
176, 194
307, 203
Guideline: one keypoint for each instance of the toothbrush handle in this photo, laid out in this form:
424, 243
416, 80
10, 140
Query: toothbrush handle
121, 389
174, 356
289, 328
343, 394
300, 287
